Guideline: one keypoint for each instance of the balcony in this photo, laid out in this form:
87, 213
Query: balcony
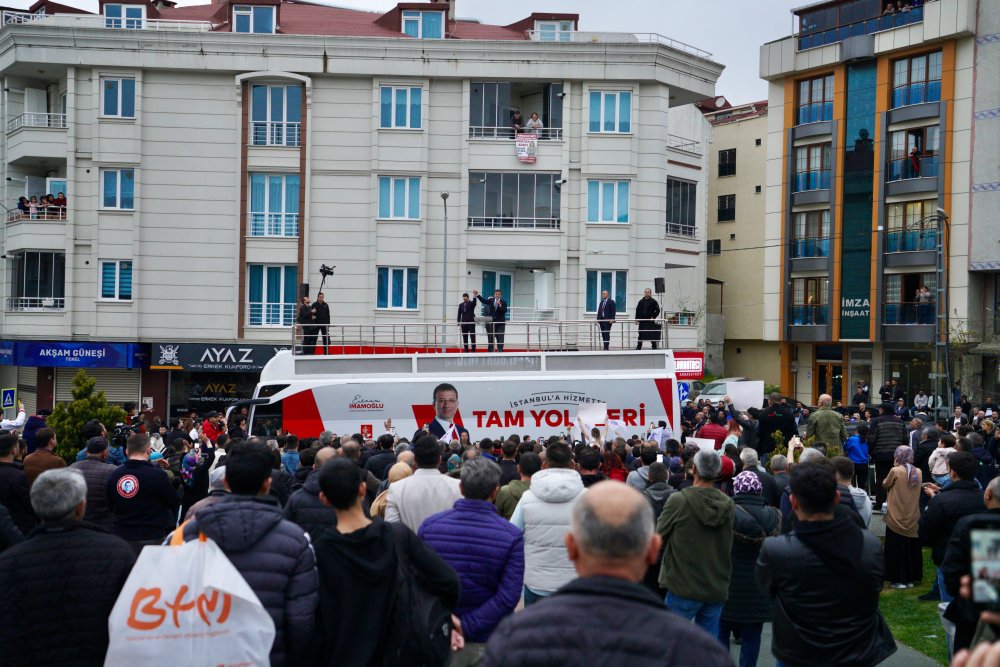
812, 36
268, 133
15, 215
36, 136
270, 314
916, 93
807, 181
905, 168
101, 22
514, 223
681, 229
911, 240
815, 112
810, 315
34, 303
815, 246
273, 225
908, 312
54, 120
486, 132
578, 37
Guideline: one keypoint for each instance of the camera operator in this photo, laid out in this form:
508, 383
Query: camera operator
321, 313
95, 429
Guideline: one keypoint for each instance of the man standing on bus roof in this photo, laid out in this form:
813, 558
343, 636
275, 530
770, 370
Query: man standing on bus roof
497, 311
606, 312
445, 407
321, 313
646, 311
467, 321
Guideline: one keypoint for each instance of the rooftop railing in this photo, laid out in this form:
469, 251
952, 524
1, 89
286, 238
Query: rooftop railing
98, 21
576, 36
812, 39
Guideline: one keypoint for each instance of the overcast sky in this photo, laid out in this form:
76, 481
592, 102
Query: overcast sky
732, 30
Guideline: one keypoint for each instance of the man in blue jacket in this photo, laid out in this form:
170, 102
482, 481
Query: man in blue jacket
486, 551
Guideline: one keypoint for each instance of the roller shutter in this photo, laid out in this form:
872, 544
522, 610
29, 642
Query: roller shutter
119, 385
27, 388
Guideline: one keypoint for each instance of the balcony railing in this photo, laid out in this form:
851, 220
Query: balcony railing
685, 144
910, 240
681, 229
575, 36
97, 21
29, 303
815, 112
806, 315
811, 246
270, 314
32, 119
916, 93
487, 132
514, 223
905, 168
267, 133
811, 180
908, 312
285, 225
47, 213
866, 27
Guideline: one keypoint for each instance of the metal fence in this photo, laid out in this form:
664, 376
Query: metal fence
33, 119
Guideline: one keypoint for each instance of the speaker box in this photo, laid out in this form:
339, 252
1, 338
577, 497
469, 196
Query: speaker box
660, 285
305, 290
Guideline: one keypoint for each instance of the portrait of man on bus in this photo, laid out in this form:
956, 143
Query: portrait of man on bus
445, 409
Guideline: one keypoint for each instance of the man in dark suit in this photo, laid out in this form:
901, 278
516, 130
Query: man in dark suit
646, 311
606, 312
467, 320
443, 426
776, 417
496, 326
321, 313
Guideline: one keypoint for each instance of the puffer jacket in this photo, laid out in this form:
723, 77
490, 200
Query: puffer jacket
487, 552
306, 509
887, 432
753, 521
543, 515
67, 575
275, 558
96, 472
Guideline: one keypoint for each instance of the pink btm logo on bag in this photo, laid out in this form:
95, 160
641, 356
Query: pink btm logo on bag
147, 613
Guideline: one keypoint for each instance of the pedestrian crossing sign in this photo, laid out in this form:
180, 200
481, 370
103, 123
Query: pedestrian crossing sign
9, 399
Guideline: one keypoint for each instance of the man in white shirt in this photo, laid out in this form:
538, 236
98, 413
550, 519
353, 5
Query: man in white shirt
8, 425
426, 492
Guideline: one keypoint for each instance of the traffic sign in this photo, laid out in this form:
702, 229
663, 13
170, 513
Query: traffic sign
9, 398
683, 391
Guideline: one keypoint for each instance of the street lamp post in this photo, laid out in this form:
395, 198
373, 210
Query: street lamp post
444, 276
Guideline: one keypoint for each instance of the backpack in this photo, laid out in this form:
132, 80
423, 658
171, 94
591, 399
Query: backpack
418, 626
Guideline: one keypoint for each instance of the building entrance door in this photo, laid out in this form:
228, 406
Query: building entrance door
830, 379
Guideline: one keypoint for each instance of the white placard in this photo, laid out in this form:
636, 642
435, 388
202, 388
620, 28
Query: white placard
588, 417
746, 395
704, 444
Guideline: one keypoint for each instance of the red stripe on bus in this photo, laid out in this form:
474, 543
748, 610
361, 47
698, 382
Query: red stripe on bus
300, 415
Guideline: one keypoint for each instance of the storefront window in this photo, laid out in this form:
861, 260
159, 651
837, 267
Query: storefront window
202, 392
910, 369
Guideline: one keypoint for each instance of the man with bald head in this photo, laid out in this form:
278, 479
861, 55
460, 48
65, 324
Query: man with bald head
304, 506
611, 542
826, 425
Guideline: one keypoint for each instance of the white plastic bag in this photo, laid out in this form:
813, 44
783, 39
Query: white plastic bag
186, 604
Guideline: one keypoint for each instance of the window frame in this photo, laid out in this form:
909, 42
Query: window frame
418, 16
393, 109
618, 279
811, 226
909, 218
908, 81
825, 102
20, 274
825, 164
727, 162
485, 179
123, 21
117, 298
687, 203
266, 203
288, 138
250, 11
620, 125
722, 209
118, 188
598, 207
120, 96
389, 274
287, 310
392, 182
557, 28
713, 247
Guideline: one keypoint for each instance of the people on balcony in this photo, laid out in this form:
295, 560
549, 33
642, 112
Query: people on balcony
534, 123
890, 9
925, 309
22, 206
517, 122
914, 163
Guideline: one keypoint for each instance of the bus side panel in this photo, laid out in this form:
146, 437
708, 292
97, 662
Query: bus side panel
301, 415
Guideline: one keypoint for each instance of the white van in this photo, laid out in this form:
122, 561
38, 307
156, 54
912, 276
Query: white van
716, 390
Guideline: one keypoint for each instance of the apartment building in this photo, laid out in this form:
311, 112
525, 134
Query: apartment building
867, 235
215, 156
737, 164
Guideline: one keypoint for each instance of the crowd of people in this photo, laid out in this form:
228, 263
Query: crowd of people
45, 208
697, 546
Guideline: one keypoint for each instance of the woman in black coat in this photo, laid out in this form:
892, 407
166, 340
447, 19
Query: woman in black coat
748, 608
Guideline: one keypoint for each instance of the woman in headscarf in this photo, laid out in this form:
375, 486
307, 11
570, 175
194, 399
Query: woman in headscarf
397, 472
903, 560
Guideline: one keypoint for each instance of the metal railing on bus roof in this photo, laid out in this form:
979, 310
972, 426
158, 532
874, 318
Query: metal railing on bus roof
518, 336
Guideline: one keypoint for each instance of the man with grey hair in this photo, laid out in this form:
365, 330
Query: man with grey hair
68, 573
779, 470
698, 579
826, 424
326, 439
485, 550
610, 542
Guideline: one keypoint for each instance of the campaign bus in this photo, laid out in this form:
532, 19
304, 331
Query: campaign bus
536, 393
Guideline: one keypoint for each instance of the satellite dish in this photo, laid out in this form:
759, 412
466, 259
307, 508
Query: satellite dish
719, 101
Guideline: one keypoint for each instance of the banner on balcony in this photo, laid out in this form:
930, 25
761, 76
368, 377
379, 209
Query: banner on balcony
526, 147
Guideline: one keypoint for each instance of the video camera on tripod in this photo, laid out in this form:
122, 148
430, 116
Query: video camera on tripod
121, 432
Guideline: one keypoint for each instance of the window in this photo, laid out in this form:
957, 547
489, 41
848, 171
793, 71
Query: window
815, 100
39, 280
129, 17
812, 234
912, 153
714, 247
911, 226
607, 201
525, 200
756, 142
271, 293
916, 80
397, 288
118, 189
276, 115
727, 162
398, 198
423, 25
400, 107
116, 279
492, 105
681, 207
274, 205
727, 208
810, 301
251, 18
118, 98
756, 189
901, 305
615, 282
812, 168
610, 111
554, 31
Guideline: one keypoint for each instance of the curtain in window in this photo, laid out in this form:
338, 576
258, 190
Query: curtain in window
293, 96
275, 190
382, 291
258, 103
273, 295
595, 112
397, 287
411, 27
108, 280
256, 294
263, 19
432, 26
288, 302
411, 288
415, 97
110, 198
399, 197
401, 97
128, 188
111, 97
125, 280
258, 203
385, 108
620, 290
592, 295
414, 204
593, 200
292, 207
384, 196
624, 112
623, 188
609, 112
128, 98
607, 201
489, 283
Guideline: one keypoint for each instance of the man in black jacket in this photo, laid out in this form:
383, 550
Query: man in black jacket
67, 575
887, 431
611, 542
304, 506
646, 311
956, 500
141, 497
467, 321
378, 464
14, 485
321, 310
834, 618
776, 417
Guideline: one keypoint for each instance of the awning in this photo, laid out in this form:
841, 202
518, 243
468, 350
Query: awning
984, 266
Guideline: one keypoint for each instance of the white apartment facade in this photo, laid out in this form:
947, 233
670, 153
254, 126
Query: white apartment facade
214, 157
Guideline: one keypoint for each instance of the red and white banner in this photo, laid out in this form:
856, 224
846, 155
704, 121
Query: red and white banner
690, 365
526, 147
